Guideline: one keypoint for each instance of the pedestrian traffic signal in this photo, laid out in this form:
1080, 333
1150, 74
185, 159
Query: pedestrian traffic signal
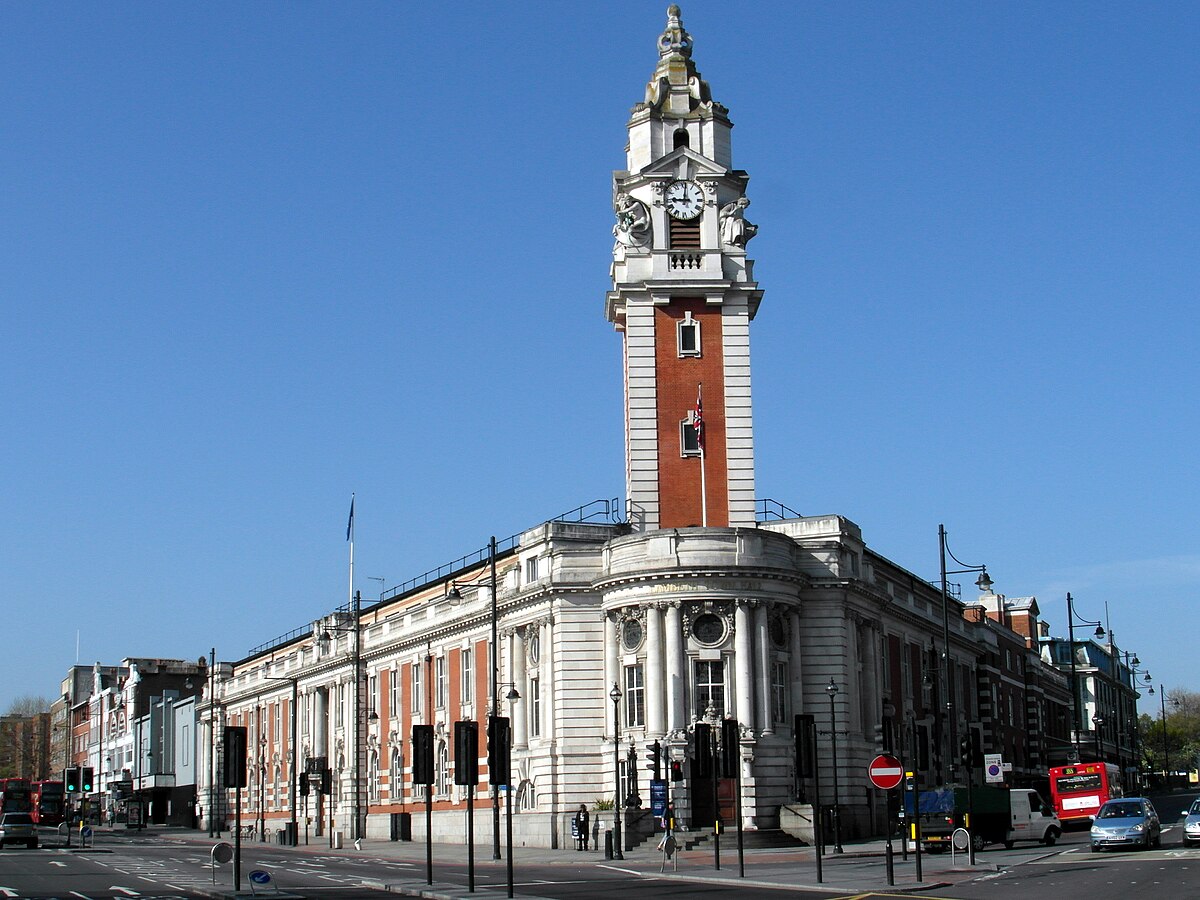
85, 780
654, 759
704, 751
303, 783
804, 733
676, 770
422, 770
499, 747
731, 748
71, 777
466, 753
326, 780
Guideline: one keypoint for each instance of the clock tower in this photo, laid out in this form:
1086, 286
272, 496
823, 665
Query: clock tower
683, 294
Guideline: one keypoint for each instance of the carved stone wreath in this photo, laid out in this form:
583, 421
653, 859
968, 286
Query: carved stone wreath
708, 623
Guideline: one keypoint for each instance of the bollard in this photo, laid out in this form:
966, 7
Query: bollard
608, 844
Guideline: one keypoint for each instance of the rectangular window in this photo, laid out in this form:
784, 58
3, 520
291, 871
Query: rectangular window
372, 703
440, 686
186, 749
689, 443
688, 334
531, 570
416, 703
393, 693
710, 686
278, 722
467, 675
305, 707
535, 707
779, 691
635, 697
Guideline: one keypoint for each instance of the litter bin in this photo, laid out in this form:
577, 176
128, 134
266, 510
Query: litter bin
405, 826
290, 836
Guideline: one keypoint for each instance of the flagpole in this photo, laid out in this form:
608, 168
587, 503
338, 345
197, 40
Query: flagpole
698, 417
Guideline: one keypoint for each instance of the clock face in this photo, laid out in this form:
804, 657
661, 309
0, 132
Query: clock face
684, 199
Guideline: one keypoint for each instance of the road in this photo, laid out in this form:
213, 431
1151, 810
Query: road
171, 864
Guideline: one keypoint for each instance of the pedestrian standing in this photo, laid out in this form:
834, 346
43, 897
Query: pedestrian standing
581, 826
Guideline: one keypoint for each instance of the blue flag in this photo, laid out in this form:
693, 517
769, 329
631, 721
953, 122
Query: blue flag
350, 522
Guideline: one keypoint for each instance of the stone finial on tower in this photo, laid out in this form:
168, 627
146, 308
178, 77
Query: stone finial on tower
675, 38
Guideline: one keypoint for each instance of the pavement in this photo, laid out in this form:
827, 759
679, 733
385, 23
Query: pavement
861, 868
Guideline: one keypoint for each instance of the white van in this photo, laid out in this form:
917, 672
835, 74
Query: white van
1033, 819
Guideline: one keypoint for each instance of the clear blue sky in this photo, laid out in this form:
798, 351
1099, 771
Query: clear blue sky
255, 257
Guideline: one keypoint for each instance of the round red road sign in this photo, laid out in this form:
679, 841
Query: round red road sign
886, 772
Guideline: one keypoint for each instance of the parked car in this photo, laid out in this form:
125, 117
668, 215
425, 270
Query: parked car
1126, 822
18, 828
1191, 825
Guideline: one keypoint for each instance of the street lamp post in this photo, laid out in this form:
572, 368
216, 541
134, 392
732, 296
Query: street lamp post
1098, 722
615, 696
985, 584
1075, 712
1163, 698
832, 690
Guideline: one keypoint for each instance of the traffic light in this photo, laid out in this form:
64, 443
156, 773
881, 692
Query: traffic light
233, 743
964, 750
704, 750
676, 770
879, 748
654, 759
85, 780
499, 747
422, 768
326, 781
922, 739
731, 748
804, 734
71, 778
303, 784
976, 748
889, 734
466, 753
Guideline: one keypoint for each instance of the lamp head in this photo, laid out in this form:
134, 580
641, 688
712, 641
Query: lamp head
1099, 631
512, 695
615, 693
831, 689
984, 583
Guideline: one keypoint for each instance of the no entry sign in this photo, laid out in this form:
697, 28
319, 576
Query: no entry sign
886, 772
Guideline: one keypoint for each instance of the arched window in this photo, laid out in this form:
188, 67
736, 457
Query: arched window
442, 770
396, 777
682, 139
373, 777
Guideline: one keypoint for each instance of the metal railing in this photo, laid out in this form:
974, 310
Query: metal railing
767, 510
607, 511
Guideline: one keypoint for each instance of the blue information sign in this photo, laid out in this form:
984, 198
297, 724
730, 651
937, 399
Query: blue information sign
658, 798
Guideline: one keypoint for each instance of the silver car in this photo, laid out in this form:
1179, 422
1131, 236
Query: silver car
1126, 822
18, 828
1191, 825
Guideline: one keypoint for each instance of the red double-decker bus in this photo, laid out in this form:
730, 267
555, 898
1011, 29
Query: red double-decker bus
15, 795
1078, 791
49, 802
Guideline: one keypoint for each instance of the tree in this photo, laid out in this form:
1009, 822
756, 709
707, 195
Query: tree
1175, 740
28, 705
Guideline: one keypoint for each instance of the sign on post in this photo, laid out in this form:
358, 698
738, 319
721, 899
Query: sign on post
885, 772
993, 767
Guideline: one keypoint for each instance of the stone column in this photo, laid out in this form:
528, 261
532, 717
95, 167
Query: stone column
548, 682
744, 663
675, 671
795, 666
656, 718
762, 658
520, 720
611, 665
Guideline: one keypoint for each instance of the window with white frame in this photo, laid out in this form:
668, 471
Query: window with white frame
468, 675
393, 693
687, 332
709, 686
372, 703
779, 691
535, 707
442, 774
531, 570
373, 777
305, 712
278, 711
689, 442
396, 776
415, 700
440, 681
635, 696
